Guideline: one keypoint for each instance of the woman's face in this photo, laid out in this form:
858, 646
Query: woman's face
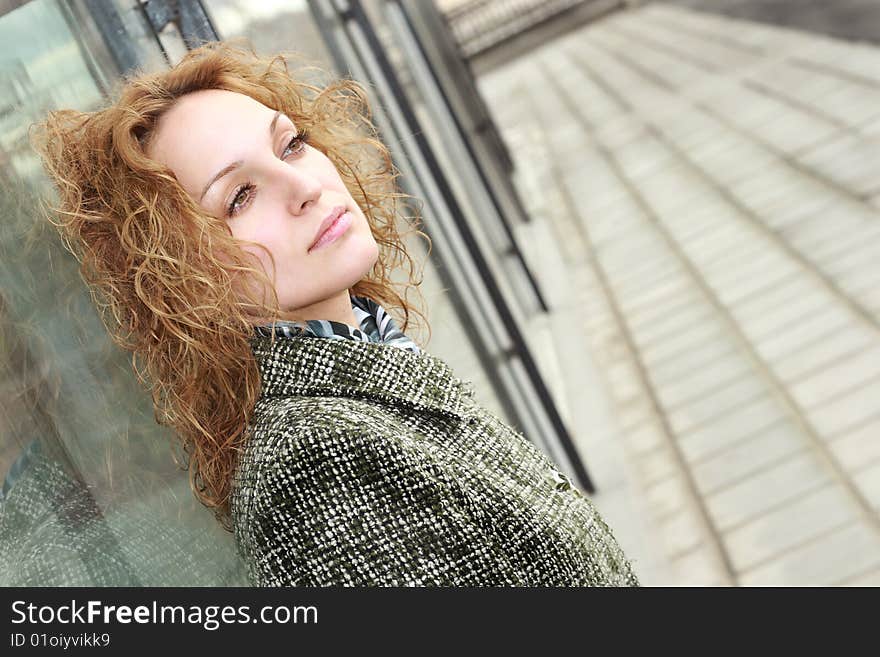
244, 162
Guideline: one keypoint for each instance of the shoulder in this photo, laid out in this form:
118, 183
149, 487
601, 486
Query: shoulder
286, 430
308, 441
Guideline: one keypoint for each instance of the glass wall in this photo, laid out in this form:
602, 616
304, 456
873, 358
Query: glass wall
90, 491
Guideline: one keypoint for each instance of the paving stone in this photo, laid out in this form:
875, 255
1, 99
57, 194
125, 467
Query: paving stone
681, 533
656, 465
861, 284
859, 60
669, 70
795, 81
790, 212
665, 293
618, 129
824, 351
648, 260
671, 324
788, 312
794, 131
715, 404
642, 156
691, 338
723, 253
852, 104
868, 481
730, 291
871, 128
690, 128
747, 422
783, 529
845, 412
840, 225
624, 379
871, 578
750, 111
623, 220
695, 222
748, 499
859, 447
863, 256
803, 333
685, 296
673, 189
725, 233
730, 165
681, 364
700, 567
722, 141
748, 456
641, 273
834, 557
758, 306
645, 439
759, 260
773, 187
635, 415
858, 369
714, 53
703, 381
618, 255
666, 497
849, 161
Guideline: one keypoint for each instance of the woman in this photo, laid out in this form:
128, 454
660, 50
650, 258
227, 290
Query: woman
238, 230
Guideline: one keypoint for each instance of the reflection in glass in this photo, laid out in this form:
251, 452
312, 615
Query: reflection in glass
89, 490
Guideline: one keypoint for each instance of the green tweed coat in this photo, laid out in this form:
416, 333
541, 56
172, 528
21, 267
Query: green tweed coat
372, 465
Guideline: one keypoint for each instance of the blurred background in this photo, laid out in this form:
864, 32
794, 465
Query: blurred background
656, 231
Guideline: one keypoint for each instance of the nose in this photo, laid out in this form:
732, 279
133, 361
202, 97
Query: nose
302, 190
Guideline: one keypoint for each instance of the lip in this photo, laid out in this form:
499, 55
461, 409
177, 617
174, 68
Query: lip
329, 220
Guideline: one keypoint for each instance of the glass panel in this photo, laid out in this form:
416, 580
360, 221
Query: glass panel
271, 26
90, 494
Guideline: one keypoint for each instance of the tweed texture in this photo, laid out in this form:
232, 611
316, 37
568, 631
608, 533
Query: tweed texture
373, 465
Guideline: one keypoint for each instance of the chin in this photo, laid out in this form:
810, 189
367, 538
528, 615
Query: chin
361, 255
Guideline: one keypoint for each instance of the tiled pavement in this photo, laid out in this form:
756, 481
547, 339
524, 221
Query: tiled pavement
853, 20
713, 186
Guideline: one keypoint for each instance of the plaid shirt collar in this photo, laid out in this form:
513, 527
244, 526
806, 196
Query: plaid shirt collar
376, 325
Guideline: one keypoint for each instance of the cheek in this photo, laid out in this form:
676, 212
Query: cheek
329, 176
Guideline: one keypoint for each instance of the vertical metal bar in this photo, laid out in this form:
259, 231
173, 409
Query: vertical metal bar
427, 79
189, 16
113, 33
195, 25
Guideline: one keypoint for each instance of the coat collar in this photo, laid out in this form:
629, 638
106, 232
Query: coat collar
315, 367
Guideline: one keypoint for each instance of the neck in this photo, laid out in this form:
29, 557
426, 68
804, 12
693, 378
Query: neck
336, 308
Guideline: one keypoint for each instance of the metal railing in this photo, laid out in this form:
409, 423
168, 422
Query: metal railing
482, 24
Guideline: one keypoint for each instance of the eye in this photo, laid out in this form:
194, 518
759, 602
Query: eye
242, 196
296, 145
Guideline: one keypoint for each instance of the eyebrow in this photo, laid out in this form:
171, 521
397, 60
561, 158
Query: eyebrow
235, 165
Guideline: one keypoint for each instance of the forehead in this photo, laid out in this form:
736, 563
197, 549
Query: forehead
206, 130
